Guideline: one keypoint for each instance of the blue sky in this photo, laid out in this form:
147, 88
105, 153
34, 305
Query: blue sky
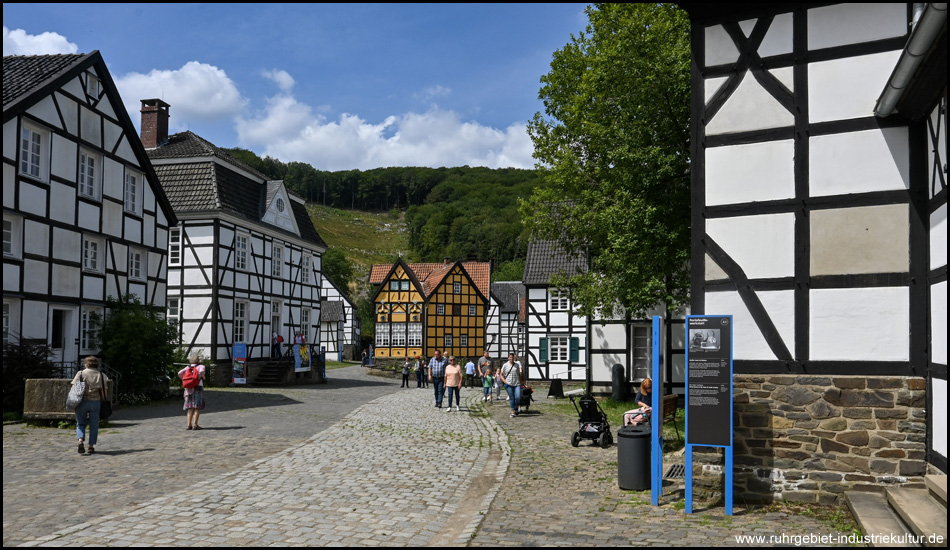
339, 86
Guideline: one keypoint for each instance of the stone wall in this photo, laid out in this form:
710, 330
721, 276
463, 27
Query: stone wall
809, 438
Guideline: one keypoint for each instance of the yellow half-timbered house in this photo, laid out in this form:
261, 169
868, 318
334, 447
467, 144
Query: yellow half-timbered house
399, 303
425, 307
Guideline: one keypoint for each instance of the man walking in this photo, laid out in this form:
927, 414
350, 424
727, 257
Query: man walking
470, 373
437, 376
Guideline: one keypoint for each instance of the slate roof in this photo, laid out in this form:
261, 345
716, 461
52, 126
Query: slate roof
431, 274
23, 74
546, 258
332, 311
509, 295
197, 184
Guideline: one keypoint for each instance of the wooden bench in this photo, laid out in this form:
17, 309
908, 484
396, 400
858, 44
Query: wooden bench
669, 411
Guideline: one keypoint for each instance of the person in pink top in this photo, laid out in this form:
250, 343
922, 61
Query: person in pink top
194, 397
453, 381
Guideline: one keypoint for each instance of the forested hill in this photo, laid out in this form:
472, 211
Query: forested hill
459, 213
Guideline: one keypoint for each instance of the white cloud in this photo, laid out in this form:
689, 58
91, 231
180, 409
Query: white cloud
18, 42
289, 130
196, 92
432, 92
282, 78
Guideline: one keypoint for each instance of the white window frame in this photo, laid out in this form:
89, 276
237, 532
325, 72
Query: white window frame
89, 179
463, 340
382, 335
175, 245
305, 323
414, 337
305, 269
33, 147
472, 311
640, 350
447, 341
93, 253
138, 264
277, 260
279, 203
440, 309
133, 191
239, 322
559, 299
559, 348
241, 241
8, 310
88, 329
456, 288
12, 236
173, 313
92, 85
399, 335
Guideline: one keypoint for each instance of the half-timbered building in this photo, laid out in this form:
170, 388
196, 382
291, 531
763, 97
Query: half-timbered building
819, 222
506, 320
351, 338
244, 259
84, 217
425, 307
556, 337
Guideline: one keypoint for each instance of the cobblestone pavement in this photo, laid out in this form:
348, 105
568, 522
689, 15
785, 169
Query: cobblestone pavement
558, 495
359, 462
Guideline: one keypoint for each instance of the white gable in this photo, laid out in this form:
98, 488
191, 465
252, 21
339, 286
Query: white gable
279, 212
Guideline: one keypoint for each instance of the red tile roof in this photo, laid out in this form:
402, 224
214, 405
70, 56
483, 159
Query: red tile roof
431, 274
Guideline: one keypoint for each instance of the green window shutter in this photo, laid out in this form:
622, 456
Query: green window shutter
543, 350
575, 350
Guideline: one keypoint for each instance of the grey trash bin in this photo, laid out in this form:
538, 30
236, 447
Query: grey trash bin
633, 458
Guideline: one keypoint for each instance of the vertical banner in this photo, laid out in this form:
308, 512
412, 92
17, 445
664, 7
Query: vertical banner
709, 400
301, 357
239, 363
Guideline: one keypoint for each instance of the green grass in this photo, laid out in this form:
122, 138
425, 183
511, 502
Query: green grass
367, 238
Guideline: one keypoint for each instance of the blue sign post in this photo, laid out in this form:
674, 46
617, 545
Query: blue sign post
709, 406
656, 418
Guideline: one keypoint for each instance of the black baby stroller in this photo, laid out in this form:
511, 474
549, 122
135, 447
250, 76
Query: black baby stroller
526, 398
591, 423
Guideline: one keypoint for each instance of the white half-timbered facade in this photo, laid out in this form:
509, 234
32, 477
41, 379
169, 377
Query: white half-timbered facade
505, 329
350, 339
244, 259
555, 337
84, 217
331, 328
819, 190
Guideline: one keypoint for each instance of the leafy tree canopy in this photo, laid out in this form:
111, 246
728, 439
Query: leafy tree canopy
613, 146
137, 341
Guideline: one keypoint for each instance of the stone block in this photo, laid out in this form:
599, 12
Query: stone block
796, 395
822, 381
804, 497
790, 454
912, 398
822, 409
858, 398
897, 412
891, 453
798, 416
740, 398
804, 438
890, 425
45, 399
826, 476
785, 444
911, 427
917, 384
884, 383
858, 478
760, 394
912, 468
858, 463
783, 380
861, 451
831, 446
857, 412
850, 382
882, 466
857, 438
834, 424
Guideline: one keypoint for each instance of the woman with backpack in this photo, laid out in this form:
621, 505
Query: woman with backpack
192, 379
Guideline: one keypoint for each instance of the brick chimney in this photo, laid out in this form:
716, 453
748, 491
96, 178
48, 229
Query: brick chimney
154, 122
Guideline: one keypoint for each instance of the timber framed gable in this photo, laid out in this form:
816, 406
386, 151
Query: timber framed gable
70, 152
400, 313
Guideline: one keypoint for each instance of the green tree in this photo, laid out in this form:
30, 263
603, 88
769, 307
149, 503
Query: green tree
338, 269
613, 147
137, 341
